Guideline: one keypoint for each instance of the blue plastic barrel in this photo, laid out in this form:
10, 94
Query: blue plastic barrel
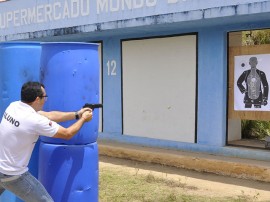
70, 73
19, 62
7, 196
69, 172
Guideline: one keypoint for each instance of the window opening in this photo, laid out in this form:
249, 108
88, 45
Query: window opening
249, 80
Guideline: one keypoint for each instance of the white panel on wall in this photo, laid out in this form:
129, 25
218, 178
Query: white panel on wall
159, 88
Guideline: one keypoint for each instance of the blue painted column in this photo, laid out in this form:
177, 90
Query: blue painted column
212, 87
112, 86
19, 63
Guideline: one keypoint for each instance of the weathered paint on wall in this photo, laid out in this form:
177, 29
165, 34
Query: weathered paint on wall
18, 20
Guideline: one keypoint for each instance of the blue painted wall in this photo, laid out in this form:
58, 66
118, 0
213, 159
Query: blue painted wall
112, 111
212, 92
212, 88
32, 15
32, 19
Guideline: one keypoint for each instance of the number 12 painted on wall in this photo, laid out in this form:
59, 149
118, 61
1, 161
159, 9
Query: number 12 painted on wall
111, 65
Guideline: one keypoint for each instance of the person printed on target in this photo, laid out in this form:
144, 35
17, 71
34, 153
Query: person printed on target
256, 88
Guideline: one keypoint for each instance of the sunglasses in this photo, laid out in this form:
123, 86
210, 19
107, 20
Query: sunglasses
44, 96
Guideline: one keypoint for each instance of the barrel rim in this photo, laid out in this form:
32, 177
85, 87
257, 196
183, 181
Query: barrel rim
68, 43
5, 43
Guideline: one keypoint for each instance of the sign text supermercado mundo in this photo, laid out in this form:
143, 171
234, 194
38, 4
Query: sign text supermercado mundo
68, 9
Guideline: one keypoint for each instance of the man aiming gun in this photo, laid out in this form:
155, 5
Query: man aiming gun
21, 125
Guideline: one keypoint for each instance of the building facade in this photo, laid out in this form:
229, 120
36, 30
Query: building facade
164, 64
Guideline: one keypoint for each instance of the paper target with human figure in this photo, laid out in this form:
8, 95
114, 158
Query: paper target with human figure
251, 73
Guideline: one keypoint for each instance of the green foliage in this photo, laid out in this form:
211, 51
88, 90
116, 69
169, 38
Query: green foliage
256, 37
254, 129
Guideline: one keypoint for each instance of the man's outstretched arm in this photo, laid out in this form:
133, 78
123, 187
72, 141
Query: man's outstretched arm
68, 133
59, 116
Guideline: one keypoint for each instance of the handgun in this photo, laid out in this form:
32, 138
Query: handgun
92, 106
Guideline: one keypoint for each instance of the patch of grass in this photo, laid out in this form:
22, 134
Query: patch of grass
168, 182
121, 186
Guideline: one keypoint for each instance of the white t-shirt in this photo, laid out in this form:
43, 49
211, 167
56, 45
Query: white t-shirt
20, 128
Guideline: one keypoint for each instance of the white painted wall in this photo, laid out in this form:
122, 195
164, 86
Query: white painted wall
234, 129
159, 88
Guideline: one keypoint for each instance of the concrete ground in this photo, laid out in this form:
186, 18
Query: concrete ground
226, 166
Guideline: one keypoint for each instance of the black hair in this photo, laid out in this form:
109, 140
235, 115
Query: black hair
30, 91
